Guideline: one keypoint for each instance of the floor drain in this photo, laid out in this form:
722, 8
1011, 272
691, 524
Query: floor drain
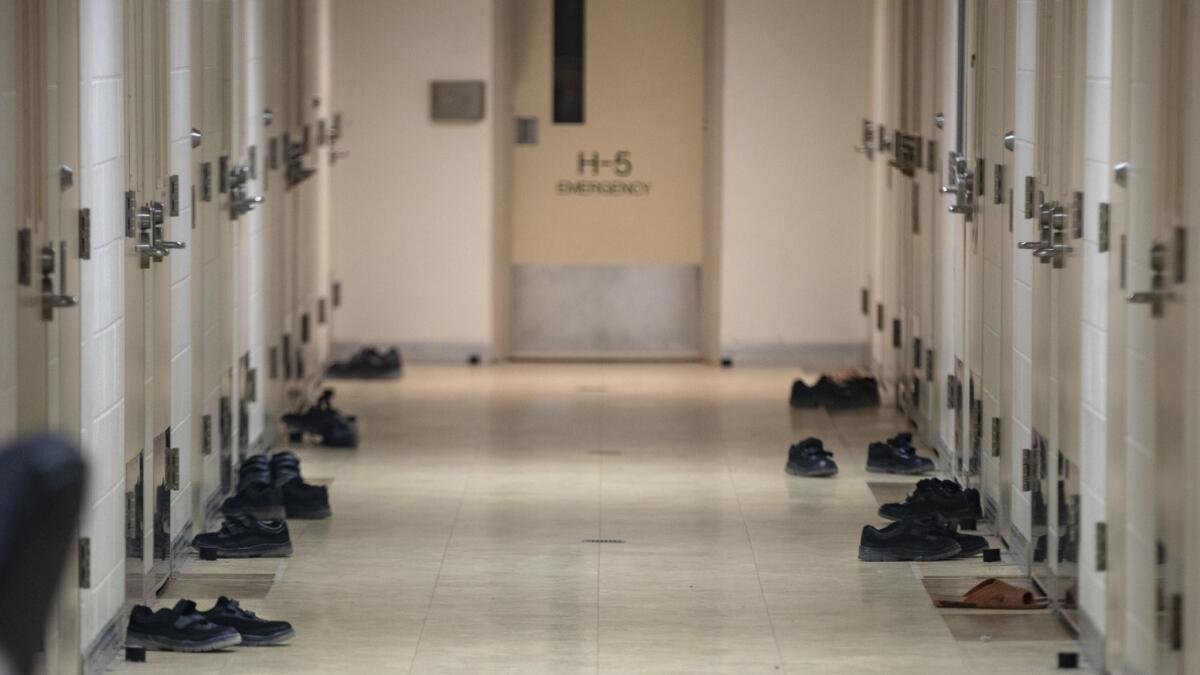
604, 541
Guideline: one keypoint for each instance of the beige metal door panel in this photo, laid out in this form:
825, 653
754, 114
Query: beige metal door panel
47, 312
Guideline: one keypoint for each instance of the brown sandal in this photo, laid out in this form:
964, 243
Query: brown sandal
994, 594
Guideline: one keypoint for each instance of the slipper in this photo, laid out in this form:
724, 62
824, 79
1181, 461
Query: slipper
994, 594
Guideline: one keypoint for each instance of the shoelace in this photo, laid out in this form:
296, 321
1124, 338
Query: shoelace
236, 609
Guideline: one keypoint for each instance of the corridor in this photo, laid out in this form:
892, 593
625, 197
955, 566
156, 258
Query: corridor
460, 539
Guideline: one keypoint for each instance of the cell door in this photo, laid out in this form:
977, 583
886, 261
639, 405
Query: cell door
1052, 473
45, 202
989, 237
1157, 392
149, 454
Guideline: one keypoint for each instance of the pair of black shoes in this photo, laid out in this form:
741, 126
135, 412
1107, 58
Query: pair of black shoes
184, 628
927, 525
897, 455
244, 536
810, 459
272, 489
324, 421
368, 364
845, 394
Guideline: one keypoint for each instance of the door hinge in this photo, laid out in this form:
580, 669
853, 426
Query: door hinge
1029, 479
172, 467
223, 174
879, 317
305, 332
980, 176
897, 330
25, 256
929, 365
951, 392
1101, 546
66, 177
286, 348
1077, 215
251, 385
85, 562
273, 153
226, 423
916, 392
1176, 636
173, 196
206, 182
85, 234
131, 511
273, 365
320, 311
917, 353
1180, 251
1103, 227
336, 294
976, 429
864, 300
998, 179
206, 440
1124, 251
996, 436
931, 157
252, 161
1030, 192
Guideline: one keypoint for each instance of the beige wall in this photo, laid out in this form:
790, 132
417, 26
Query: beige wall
793, 212
413, 203
644, 94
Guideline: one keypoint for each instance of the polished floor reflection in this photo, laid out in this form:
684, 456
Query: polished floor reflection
611, 519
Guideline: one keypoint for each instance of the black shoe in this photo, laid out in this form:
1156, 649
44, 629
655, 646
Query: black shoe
180, 629
809, 458
906, 540
255, 632
323, 420
284, 467
303, 500
369, 363
971, 544
803, 396
884, 458
944, 498
262, 501
243, 536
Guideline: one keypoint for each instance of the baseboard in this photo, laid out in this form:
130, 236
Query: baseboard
106, 647
813, 356
420, 352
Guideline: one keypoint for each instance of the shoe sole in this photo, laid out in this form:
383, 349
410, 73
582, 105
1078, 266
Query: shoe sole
823, 473
869, 554
266, 640
310, 514
256, 551
164, 644
900, 472
954, 516
259, 512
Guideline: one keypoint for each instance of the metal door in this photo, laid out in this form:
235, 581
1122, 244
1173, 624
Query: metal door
46, 206
147, 300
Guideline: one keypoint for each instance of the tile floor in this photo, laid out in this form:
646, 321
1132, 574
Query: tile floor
458, 541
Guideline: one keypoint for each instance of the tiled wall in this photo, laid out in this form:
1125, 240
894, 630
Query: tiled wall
102, 184
1093, 442
9, 137
1023, 230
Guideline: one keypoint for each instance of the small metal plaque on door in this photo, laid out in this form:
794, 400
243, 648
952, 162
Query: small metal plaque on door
206, 181
173, 196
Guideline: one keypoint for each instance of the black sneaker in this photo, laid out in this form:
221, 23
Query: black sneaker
884, 458
809, 458
906, 540
323, 420
303, 500
803, 396
262, 501
971, 544
243, 536
180, 629
369, 363
255, 632
851, 393
944, 498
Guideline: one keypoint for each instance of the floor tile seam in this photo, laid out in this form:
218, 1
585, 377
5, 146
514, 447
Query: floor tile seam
442, 563
757, 575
